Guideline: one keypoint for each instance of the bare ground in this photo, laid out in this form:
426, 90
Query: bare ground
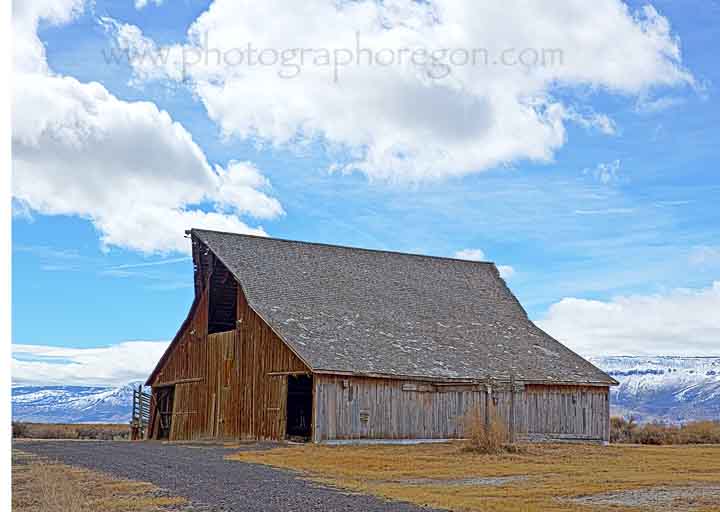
678, 499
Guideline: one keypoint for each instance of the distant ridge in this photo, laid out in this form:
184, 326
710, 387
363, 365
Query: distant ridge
652, 388
664, 388
72, 404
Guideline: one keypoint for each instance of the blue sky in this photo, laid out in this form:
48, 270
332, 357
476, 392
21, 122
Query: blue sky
632, 213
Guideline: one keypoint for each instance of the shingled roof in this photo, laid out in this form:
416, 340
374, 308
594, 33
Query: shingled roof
361, 311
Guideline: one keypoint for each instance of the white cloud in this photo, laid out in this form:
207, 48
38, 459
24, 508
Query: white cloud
470, 254
704, 255
21, 211
600, 122
397, 121
647, 105
131, 170
606, 173
108, 366
680, 322
141, 4
606, 211
170, 261
506, 271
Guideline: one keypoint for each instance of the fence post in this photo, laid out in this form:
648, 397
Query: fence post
488, 403
512, 408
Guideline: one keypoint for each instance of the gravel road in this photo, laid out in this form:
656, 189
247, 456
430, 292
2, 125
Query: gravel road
200, 474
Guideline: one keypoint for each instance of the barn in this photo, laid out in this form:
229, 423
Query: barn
296, 340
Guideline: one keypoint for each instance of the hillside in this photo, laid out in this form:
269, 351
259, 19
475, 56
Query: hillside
675, 389
72, 404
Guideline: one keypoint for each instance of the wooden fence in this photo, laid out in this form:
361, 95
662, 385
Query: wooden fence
140, 413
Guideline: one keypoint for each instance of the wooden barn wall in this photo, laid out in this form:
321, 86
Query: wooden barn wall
581, 412
223, 386
356, 407
185, 369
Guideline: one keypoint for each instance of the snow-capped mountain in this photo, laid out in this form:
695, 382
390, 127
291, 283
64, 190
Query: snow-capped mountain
674, 389
671, 389
72, 404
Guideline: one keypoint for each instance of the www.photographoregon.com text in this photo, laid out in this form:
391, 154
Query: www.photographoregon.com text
436, 63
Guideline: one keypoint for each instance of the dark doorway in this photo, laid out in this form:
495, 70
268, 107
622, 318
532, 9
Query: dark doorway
165, 396
299, 406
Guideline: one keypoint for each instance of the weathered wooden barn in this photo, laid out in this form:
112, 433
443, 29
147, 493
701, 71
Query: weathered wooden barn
288, 339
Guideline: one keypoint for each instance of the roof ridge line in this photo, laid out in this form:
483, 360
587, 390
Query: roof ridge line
325, 244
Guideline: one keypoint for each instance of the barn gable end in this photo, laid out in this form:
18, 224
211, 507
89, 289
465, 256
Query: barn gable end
226, 385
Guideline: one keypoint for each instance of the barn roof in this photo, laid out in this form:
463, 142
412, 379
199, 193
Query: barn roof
360, 311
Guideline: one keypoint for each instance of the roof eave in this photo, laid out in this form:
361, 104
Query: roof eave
462, 380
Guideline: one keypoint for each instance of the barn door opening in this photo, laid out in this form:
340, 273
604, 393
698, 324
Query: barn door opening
165, 398
299, 406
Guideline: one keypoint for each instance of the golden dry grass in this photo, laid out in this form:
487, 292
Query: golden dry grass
554, 473
39, 485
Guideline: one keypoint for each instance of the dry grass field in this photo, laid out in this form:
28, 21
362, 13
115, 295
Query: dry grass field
39, 485
103, 431
539, 478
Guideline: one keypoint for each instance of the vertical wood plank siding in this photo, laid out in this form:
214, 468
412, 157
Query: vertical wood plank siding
357, 407
222, 386
188, 360
580, 412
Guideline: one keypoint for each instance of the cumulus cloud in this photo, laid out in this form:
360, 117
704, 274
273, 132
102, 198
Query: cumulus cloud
680, 322
103, 366
131, 170
476, 103
506, 271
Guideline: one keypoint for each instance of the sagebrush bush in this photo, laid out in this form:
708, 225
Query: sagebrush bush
19, 429
101, 434
622, 430
702, 432
104, 432
698, 432
485, 435
50, 432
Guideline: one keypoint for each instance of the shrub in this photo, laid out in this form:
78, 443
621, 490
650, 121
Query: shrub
698, 432
657, 434
51, 432
622, 430
485, 435
19, 429
104, 432
701, 432
88, 433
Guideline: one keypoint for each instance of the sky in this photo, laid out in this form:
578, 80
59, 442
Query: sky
576, 147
